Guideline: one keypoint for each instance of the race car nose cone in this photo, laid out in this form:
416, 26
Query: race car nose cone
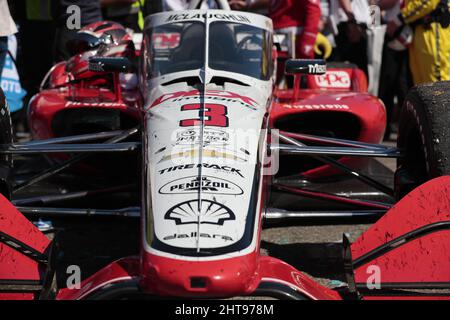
219, 278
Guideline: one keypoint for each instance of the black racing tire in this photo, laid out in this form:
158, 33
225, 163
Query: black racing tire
423, 134
6, 138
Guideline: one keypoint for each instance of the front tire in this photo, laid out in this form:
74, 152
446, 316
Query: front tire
424, 136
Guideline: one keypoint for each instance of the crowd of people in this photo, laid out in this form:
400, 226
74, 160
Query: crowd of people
415, 50
416, 46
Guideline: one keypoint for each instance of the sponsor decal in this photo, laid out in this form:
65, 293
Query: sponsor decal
316, 68
333, 79
94, 104
211, 137
209, 212
194, 153
215, 95
316, 106
201, 235
204, 165
197, 16
210, 114
206, 184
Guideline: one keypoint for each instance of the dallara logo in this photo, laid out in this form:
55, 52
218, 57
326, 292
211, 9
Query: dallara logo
206, 184
208, 212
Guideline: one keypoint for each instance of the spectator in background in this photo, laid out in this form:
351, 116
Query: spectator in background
7, 28
430, 49
325, 15
90, 12
174, 5
349, 20
395, 77
259, 6
301, 17
128, 13
34, 17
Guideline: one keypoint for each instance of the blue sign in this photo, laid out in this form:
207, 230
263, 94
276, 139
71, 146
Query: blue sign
10, 81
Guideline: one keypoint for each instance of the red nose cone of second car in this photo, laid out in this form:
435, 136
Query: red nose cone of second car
219, 278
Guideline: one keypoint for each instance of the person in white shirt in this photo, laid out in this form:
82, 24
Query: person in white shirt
7, 28
348, 21
395, 78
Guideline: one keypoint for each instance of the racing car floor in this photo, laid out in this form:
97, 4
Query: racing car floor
92, 242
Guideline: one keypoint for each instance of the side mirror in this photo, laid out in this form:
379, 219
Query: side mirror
110, 64
305, 66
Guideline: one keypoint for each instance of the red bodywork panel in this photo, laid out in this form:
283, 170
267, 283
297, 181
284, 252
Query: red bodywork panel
48, 103
13, 264
223, 278
277, 271
366, 108
421, 260
122, 270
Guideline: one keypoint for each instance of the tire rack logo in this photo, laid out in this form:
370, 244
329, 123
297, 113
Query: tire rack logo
210, 137
207, 184
210, 213
204, 165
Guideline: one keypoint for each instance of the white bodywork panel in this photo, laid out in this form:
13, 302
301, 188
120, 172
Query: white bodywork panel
203, 172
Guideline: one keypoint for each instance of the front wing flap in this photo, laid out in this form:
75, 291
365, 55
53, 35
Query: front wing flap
409, 247
24, 253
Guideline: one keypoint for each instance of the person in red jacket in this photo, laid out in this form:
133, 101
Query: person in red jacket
301, 17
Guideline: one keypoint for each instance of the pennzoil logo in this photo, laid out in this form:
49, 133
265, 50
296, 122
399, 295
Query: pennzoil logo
209, 212
206, 184
211, 137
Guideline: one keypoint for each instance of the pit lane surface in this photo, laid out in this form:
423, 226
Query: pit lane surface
93, 242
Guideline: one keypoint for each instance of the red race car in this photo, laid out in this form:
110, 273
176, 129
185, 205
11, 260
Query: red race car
218, 147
